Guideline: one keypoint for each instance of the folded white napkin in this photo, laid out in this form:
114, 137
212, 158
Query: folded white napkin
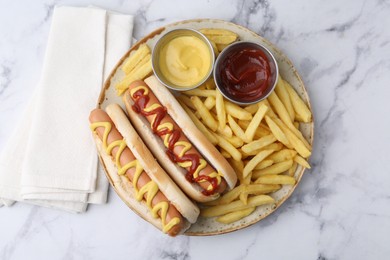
51, 159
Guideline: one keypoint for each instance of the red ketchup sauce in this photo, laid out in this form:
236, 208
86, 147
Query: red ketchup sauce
140, 102
245, 74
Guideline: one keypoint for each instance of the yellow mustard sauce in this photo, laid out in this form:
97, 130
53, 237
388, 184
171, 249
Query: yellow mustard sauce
185, 61
186, 145
150, 188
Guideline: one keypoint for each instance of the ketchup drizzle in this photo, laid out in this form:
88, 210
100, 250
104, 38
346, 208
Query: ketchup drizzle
140, 101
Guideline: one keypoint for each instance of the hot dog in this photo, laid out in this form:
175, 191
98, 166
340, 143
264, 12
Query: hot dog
137, 177
183, 151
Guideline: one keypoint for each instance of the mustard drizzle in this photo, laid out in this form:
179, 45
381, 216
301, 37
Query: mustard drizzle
186, 145
150, 189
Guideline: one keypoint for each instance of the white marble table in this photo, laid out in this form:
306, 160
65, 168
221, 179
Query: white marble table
341, 210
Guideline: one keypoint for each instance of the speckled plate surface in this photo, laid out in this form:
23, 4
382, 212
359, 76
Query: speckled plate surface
208, 226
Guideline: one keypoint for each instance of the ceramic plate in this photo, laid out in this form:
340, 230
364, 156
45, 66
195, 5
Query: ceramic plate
208, 226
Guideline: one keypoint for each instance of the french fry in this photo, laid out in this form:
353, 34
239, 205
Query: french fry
236, 111
140, 73
277, 132
276, 168
299, 106
246, 155
252, 108
226, 131
200, 92
258, 144
235, 141
244, 197
298, 118
225, 154
264, 164
216, 31
234, 216
270, 111
258, 189
220, 47
136, 58
198, 115
276, 179
208, 119
260, 131
238, 166
297, 143
215, 48
282, 155
298, 159
228, 197
237, 130
254, 124
247, 180
144, 60
300, 136
243, 124
228, 147
274, 146
209, 102
296, 124
237, 205
199, 124
231, 195
283, 95
210, 84
255, 161
265, 127
220, 106
220, 37
291, 171
295, 131
280, 109
187, 101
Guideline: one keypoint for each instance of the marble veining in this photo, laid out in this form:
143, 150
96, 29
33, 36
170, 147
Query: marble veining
341, 209
5, 76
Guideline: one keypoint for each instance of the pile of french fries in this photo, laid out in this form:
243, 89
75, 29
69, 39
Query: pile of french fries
262, 142
136, 67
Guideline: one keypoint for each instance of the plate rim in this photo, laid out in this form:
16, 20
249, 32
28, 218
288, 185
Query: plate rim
158, 31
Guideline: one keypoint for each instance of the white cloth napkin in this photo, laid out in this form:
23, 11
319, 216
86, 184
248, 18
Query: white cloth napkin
51, 159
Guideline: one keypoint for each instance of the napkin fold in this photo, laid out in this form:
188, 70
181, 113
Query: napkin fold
51, 159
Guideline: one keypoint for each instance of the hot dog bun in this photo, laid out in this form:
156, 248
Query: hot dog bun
152, 172
180, 119
157, 148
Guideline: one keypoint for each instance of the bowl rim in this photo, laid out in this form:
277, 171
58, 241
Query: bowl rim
157, 46
221, 57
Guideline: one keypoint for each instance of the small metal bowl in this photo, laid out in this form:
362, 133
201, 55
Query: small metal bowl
234, 48
164, 39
